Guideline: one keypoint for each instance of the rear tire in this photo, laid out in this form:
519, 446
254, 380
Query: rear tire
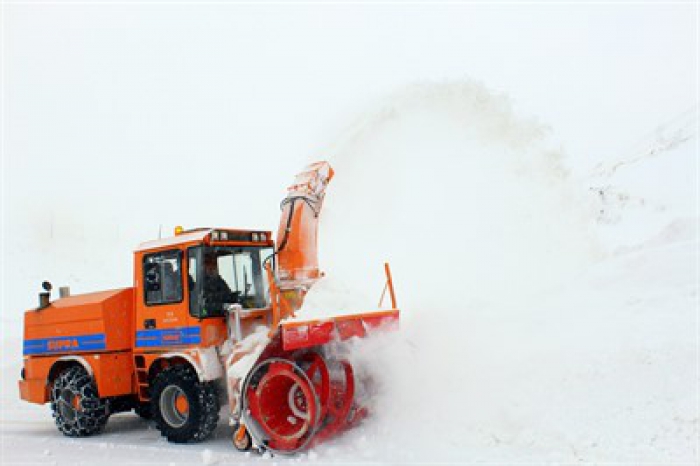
184, 409
76, 406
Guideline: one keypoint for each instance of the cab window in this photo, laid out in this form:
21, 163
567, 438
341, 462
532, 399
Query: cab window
162, 277
223, 275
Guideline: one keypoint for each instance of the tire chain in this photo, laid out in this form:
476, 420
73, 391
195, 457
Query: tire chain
92, 416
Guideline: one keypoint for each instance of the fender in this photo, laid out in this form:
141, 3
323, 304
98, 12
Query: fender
37, 374
79, 359
205, 362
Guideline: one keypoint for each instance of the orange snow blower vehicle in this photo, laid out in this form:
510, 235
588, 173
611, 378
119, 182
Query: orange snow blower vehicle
210, 319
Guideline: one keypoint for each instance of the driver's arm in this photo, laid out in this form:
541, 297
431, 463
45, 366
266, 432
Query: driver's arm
223, 286
225, 292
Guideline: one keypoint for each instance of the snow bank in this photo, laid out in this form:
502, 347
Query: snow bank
652, 186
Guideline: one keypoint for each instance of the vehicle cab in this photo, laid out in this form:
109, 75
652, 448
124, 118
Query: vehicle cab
183, 286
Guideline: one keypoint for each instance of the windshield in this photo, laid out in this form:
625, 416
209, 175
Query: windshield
226, 275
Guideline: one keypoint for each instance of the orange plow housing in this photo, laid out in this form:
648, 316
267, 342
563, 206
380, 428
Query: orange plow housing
301, 390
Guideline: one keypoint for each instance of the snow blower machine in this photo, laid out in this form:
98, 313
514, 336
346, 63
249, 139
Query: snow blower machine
210, 319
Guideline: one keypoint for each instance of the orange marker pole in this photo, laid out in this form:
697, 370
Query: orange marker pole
390, 285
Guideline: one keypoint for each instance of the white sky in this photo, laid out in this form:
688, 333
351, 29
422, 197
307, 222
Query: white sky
119, 117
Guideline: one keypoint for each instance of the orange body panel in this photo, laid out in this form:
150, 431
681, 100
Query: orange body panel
34, 391
83, 323
94, 330
113, 374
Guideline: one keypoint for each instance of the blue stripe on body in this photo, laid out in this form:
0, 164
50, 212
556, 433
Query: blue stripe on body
65, 344
168, 337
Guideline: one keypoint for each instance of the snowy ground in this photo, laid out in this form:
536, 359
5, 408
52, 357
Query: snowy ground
603, 371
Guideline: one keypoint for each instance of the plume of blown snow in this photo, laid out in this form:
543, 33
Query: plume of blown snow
465, 200
516, 343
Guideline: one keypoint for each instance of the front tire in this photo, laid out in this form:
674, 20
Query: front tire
77, 409
184, 409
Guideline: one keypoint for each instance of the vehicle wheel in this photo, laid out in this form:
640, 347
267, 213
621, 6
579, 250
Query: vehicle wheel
184, 409
241, 439
144, 411
77, 409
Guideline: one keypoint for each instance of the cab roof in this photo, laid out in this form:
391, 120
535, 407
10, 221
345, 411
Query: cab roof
189, 236
185, 237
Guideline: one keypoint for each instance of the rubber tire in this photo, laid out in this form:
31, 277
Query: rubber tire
144, 411
245, 445
94, 412
203, 403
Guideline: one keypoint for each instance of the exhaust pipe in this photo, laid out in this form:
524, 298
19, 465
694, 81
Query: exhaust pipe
45, 296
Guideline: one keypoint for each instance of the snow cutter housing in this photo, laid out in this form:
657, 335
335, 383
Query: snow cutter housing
211, 317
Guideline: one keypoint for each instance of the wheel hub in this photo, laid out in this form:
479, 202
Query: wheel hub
69, 404
174, 406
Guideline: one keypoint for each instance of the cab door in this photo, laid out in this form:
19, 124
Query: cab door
162, 307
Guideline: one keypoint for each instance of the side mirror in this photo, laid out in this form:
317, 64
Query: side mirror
152, 276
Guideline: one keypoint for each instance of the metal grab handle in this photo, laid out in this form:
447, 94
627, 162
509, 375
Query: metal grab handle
235, 310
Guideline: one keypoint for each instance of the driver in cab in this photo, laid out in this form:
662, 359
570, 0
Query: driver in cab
216, 289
